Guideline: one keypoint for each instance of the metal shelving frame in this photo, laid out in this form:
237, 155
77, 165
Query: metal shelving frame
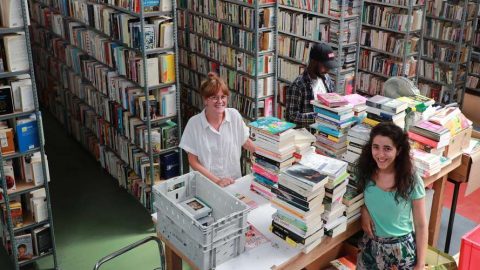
6, 195
455, 87
255, 53
474, 50
143, 54
407, 34
338, 74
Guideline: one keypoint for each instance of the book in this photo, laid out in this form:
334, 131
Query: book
167, 67
196, 208
7, 140
343, 263
6, 100
306, 175
332, 99
24, 246
15, 47
377, 101
27, 134
42, 241
325, 165
247, 200
254, 238
11, 13
271, 125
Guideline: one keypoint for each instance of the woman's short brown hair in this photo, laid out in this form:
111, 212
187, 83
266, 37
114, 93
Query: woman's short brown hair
212, 84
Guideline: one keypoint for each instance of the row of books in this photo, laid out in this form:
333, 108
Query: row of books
447, 31
389, 42
431, 90
13, 53
450, 10
233, 13
440, 73
328, 8
125, 27
445, 52
229, 35
19, 135
27, 208
17, 95
369, 84
382, 64
391, 18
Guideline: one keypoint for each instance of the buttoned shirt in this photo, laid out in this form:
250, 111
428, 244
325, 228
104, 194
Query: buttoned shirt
218, 151
298, 97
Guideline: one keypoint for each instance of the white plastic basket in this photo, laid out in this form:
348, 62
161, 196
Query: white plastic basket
210, 245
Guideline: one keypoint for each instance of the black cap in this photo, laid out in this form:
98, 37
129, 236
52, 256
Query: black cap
324, 54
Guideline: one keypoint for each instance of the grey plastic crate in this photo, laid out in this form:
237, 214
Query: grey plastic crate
203, 257
230, 216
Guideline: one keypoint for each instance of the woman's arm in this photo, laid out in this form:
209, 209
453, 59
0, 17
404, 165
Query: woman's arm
367, 223
249, 145
421, 231
197, 166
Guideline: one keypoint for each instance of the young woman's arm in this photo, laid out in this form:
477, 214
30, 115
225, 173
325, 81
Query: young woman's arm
367, 222
421, 231
197, 166
249, 145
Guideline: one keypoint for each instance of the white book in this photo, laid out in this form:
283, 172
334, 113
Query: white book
11, 13
16, 52
16, 91
27, 103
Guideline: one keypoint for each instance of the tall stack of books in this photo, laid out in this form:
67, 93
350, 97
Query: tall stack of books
357, 137
334, 117
384, 109
335, 221
429, 137
275, 145
299, 206
420, 104
427, 164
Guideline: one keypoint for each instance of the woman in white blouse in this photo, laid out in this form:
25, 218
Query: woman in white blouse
213, 139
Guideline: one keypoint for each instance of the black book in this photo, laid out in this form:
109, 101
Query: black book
42, 240
6, 100
292, 200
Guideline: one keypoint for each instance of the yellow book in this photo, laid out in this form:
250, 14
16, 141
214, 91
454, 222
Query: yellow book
370, 122
167, 67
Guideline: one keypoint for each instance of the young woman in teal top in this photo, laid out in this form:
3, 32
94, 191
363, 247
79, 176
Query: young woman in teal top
393, 217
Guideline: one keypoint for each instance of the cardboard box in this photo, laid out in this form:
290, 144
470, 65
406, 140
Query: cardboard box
469, 170
458, 143
437, 260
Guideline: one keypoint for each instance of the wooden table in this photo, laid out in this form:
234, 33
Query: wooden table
323, 251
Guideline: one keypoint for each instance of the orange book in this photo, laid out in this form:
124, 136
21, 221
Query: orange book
167, 68
6, 139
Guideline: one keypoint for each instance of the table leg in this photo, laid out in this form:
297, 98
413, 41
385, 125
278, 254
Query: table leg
174, 262
451, 218
436, 213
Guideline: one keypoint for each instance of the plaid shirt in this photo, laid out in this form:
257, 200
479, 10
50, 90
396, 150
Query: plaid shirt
299, 94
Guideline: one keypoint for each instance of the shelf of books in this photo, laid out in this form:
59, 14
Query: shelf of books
302, 24
472, 84
235, 39
26, 224
447, 35
390, 42
113, 88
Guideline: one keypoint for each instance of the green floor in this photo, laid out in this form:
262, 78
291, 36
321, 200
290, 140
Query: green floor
92, 215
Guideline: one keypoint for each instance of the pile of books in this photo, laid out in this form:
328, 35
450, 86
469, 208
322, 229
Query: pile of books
274, 140
427, 164
353, 200
359, 105
429, 137
335, 221
384, 109
420, 104
299, 204
334, 117
357, 137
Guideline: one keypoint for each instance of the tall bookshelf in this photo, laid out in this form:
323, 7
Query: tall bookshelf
473, 80
301, 25
235, 39
118, 89
447, 37
390, 42
23, 182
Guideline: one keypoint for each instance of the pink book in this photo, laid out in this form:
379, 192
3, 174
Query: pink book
265, 173
332, 99
427, 125
355, 99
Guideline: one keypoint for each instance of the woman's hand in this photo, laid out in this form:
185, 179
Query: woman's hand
223, 182
367, 223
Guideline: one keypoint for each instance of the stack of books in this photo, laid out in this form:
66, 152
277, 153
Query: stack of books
384, 109
353, 200
275, 145
298, 201
334, 117
359, 105
429, 137
303, 142
357, 137
335, 221
427, 164
420, 104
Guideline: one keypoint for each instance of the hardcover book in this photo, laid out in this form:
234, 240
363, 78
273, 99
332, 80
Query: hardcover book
271, 125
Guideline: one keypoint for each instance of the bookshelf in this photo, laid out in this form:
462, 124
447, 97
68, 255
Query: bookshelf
237, 40
335, 22
390, 42
445, 51
25, 209
472, 84
118, 89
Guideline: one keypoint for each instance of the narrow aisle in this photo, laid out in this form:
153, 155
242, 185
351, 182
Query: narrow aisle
92, 215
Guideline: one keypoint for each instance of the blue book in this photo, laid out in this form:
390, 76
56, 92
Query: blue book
27, 135
263, 180
271, 125
169, 165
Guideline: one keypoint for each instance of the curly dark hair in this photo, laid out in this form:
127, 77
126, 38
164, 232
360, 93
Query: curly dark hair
366, 166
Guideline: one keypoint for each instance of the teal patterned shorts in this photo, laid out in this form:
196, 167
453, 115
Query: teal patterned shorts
396, 253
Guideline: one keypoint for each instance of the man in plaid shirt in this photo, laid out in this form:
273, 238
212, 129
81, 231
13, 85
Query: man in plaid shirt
307, 86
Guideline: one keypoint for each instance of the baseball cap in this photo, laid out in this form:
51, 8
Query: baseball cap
324, 54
